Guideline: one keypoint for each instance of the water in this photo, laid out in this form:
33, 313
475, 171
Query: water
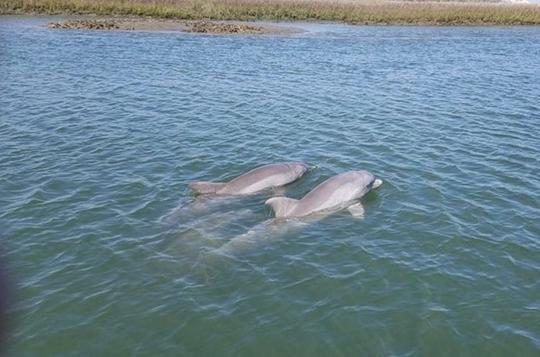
101, 131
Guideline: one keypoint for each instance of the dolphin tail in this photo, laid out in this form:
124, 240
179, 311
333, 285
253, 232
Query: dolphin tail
282, 206
204, 188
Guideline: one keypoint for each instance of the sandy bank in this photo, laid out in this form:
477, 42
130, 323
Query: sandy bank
152, 24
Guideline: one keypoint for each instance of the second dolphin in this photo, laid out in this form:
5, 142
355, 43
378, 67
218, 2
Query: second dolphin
254, 181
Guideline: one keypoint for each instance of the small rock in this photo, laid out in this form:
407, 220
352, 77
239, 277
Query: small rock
218, 27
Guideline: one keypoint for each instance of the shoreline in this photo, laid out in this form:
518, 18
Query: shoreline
120, 23
362, 12
148, 24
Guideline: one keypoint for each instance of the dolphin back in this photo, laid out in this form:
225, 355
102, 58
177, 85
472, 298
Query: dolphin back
205, 188
282, 206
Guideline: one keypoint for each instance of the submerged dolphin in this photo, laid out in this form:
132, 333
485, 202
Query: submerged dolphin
338, 192
256, 180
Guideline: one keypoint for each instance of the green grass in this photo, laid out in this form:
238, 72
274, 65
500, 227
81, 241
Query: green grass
356, 12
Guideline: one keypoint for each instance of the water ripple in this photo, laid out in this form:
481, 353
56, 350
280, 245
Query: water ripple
101, 132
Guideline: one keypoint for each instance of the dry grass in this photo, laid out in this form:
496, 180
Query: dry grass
350, 11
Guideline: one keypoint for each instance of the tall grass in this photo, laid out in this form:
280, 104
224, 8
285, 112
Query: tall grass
350, 11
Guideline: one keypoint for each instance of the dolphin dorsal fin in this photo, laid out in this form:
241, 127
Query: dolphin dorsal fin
282, 206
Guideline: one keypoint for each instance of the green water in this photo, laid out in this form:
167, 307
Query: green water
111, 255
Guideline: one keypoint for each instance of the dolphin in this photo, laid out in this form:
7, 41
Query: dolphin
338, 192
254, 181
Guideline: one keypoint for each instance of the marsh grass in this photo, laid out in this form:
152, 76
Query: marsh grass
355, 12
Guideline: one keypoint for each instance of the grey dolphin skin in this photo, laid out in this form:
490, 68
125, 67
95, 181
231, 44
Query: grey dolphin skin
338, 192
256, 180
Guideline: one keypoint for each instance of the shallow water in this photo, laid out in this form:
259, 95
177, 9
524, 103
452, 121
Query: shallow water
101, 131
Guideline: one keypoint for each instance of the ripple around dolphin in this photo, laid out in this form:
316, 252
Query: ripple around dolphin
113, 255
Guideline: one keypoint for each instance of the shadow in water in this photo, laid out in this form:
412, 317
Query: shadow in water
201, 231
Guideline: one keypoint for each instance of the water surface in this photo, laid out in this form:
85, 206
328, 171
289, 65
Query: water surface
101, 131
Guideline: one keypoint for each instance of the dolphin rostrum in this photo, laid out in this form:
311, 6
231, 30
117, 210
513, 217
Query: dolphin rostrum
254, 181
338, 192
